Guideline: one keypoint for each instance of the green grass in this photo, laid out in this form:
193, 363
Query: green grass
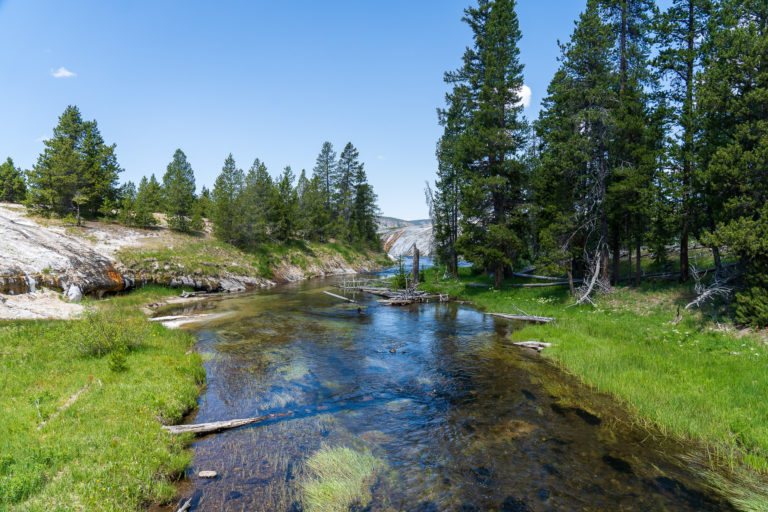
208, 257
104, 449
338, 478
695, 380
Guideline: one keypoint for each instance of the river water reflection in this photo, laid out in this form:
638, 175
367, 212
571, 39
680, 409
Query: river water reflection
461, 419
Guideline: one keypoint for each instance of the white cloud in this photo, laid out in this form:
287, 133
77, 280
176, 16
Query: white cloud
525, 96
379, 157
62, 72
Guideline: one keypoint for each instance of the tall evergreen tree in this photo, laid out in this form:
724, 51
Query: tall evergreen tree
76, 170
142, 206
154, 194
325, 167
284, 210
13, 187
54, 178
179, 192
255, 204
444, 201
680, 33
632, 150
343, 180
227, 214
314, 209
733, 99
364, 209
493, 139
575, 127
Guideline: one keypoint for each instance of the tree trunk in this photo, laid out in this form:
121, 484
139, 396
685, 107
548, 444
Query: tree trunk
415, 265
616, 249
498, 275
629, 261
639, 261
570, 281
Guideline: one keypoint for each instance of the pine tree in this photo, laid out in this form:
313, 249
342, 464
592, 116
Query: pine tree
575, 127
227, 215
343, 196
314, 208
53, 180
142, 206
632, 149
493, 138
733, 99
444, 201
76, 171
127, 204
154, 194
100, 169
325, 167
364, 209
284, 211
255, 205
205, 203
179, 192
13, 188
681, 30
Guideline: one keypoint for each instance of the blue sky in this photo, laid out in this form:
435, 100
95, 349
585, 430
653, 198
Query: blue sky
271, 80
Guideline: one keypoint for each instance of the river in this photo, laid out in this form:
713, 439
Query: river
459, 419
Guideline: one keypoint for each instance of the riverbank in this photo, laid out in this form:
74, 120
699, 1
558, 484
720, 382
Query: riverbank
695, 381
101, 257
84, 401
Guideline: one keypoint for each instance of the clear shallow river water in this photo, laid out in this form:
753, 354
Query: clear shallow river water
463, 420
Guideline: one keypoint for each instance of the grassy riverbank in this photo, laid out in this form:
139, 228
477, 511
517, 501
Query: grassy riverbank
82, 405
694, 380
206, 256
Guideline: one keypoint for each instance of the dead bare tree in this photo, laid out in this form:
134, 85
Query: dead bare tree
720, 286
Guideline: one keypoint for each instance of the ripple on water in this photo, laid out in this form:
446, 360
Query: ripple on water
460, 421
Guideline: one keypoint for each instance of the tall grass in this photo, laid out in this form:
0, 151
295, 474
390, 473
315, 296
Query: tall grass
697, 380
77, 435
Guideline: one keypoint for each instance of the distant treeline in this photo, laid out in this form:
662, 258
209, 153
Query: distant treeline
77, 175
653, 132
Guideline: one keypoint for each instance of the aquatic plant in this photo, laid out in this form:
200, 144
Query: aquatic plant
338, 478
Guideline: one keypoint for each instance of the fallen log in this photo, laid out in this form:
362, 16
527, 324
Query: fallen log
532, 276
339, 296
396, 302
525, 318
535, 345
540, 285
185, 506
216, 426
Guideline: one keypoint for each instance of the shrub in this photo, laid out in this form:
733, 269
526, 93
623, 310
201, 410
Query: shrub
104, 332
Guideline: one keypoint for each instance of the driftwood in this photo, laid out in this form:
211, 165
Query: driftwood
216, 426
397, 302
535, 345
526, 318
185, 506
339, 297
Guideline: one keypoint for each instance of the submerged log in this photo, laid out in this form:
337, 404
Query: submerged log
525, 318
216, 426
339, 297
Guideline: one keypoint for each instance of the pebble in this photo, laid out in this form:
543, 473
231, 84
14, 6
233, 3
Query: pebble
207, 474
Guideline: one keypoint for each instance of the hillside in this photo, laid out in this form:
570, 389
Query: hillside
98, 258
